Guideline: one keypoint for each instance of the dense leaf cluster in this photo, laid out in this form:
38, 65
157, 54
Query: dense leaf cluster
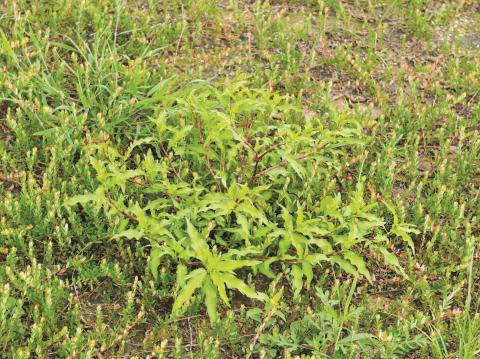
237, 180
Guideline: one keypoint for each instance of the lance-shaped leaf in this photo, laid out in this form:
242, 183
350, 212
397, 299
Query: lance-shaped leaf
231, 265
195, 280
358, 262
211, 299
233, 282
220, 284
155, 255
199, 245
390, 259
345, 265
297, 279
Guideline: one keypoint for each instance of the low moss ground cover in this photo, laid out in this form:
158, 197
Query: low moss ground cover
239, 179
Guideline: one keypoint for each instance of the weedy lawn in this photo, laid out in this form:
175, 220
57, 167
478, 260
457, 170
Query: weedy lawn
239, 179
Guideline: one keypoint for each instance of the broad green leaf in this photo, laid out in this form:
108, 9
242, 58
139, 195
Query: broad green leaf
358, 262
211, 299
233, 282
299, 242
199, 245
264, 268
323, 244
345, 265
405, 236
300, 215
329, 205
313, 227
275, 300
390, 259
249, 209
155, 255
195, 281
97, 196
307, 270
158, 228
284, 245
231, 265
316, 258
297, 279
220, 284
287, 219
241, 252
130, 234
244, 226
182, 273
